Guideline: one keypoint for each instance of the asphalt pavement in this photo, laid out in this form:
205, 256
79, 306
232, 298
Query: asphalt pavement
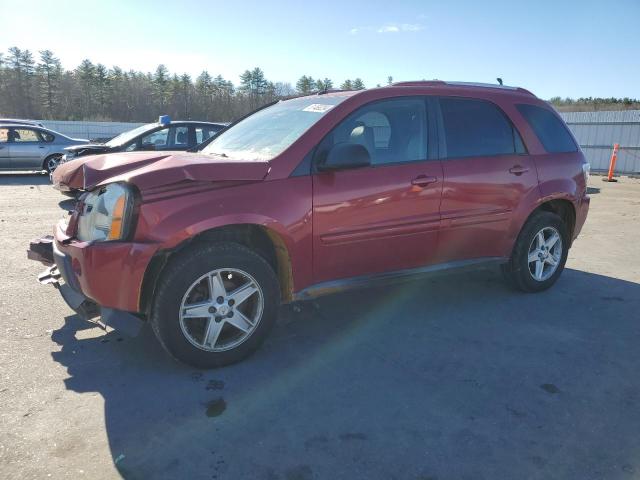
455, 377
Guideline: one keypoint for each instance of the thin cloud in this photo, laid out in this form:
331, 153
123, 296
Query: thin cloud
388, 28
402, 27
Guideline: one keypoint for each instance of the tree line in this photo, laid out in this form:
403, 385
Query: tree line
590, 104
41, 88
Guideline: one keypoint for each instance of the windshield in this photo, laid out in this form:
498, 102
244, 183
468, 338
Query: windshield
130, 135
269, 132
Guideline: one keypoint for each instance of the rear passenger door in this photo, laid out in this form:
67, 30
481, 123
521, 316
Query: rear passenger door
487, 173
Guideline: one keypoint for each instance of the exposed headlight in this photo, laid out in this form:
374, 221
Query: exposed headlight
106, 213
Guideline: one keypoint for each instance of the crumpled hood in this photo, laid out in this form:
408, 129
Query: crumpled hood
94, 147
154, 169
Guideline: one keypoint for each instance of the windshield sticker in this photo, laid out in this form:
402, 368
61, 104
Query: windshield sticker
317, 108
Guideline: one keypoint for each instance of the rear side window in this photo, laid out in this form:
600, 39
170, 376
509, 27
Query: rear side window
551, 131
477, 128
25, 135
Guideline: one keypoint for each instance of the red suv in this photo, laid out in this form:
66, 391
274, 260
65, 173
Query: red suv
314, 195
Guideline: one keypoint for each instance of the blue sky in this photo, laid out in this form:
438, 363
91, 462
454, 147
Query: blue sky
566, 48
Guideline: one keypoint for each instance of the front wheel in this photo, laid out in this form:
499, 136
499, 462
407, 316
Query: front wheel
51, 163
215, 304
540, 253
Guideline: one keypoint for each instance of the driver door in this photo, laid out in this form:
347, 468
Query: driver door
384, 217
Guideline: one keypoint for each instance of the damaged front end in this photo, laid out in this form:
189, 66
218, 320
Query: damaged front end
59, 274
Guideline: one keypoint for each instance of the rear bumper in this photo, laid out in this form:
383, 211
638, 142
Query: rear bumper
96, 279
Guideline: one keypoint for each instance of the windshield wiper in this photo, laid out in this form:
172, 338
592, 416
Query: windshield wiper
224, 155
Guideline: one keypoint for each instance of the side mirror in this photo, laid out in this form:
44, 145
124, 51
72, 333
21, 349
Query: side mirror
346, 155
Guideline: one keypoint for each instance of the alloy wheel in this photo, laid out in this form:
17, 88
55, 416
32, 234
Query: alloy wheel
221, 309
52, 163
545, 253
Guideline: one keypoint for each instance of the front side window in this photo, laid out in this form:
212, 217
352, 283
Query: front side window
205, 133
393, 131
157, 139
270, 131
126, 137
550, 130
477, 128
25, 135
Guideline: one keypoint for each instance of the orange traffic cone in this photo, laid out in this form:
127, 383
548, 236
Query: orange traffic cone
612, 164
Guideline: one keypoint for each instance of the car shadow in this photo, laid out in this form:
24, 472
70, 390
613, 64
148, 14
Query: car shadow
32, 178
452, 377
593, 190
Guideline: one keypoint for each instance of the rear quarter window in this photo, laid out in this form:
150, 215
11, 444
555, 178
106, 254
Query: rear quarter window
47, 137
550, 130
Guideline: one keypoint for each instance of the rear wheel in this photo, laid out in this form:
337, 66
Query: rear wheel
215, 304
51, 163
540, 253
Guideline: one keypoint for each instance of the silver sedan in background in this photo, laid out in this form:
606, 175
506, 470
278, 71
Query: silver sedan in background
29, 147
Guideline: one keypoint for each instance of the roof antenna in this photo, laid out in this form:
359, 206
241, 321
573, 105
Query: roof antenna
499, 81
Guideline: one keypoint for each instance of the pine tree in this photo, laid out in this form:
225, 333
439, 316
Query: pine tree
86, 72
102, 89
347, 85
358, 84
50, 72
305, 85
186, 86
322, 85
161, 87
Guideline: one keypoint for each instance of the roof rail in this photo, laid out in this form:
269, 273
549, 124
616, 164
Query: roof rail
419, 83
332, 90
440, 83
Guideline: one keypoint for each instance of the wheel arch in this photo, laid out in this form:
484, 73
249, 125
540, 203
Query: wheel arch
48, 156
561, 206
263, 240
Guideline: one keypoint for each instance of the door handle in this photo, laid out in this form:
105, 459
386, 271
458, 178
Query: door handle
41, 147
518, 170
423, 180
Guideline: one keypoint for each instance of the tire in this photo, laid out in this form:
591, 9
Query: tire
186, 282
522, 274
48, 164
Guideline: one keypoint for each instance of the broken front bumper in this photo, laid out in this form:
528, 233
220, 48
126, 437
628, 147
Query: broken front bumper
60, 274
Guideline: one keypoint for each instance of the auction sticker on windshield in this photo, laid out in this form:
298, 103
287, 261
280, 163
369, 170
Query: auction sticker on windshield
317, 107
